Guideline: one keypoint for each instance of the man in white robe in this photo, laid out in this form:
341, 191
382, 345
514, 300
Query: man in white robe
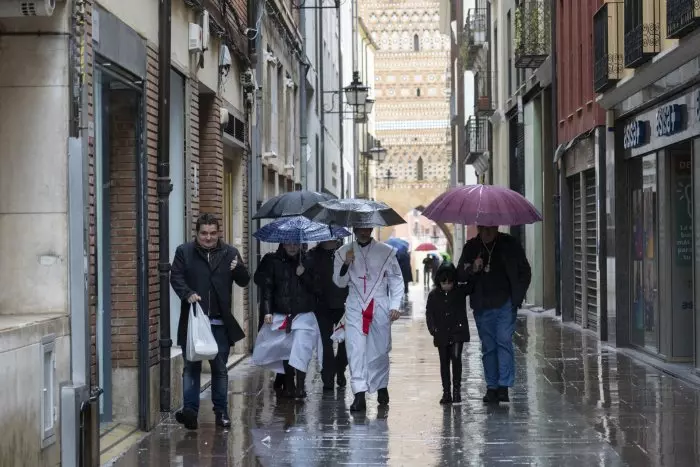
371, 272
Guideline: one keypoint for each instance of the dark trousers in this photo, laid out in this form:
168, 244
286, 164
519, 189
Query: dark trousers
451, 354
427, 275
332, 364
192, 373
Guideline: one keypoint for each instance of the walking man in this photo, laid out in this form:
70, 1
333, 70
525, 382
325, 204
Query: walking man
371, 272
330, 307
497, 274
204, 271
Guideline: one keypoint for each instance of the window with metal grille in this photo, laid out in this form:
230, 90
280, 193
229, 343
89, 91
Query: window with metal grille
236, 129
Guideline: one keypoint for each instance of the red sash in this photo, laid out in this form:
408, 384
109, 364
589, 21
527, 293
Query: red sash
367, 315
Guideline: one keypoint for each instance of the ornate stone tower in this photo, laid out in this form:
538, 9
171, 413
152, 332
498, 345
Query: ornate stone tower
412, 101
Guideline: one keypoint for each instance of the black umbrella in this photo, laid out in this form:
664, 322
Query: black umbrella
294, 203
357, 213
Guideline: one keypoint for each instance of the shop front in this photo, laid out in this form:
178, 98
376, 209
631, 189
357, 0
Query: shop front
658, 240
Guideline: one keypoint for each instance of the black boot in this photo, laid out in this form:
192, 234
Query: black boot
300, 392
491, 397
342, 382
289, 390
503, 394
383, 396
359, 404
278, 385
456, 394
446, 397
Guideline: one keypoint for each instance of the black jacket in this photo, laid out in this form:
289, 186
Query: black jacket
319, 265
446, 314
259, 280
509, 251
284, 292
404, 260
212, 279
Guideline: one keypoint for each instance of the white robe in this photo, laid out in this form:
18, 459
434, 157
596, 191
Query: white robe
375, 278
274, 345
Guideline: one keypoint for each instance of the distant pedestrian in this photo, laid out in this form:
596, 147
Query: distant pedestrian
497, 274
404, 259
428, 264
204, 271
446, 317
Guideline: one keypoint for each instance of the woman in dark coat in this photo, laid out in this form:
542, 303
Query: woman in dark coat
446, 317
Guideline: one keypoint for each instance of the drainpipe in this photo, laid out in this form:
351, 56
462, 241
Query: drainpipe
303, 130
321, 89
557, 178
164, 189
340, 100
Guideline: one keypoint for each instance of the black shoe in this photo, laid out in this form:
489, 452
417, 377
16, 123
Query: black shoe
279, 382
503, 394
300, 394
187, 417
222, 420
383, 396
491, 397
446, 397
342, 382
359, 404
457, 394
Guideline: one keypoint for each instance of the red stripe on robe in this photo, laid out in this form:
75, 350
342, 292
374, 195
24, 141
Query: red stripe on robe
367, 315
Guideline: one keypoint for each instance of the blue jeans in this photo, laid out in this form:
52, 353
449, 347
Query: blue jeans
496, 327
191, 375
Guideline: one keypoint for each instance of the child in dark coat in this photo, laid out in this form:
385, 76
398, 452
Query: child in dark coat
446, 317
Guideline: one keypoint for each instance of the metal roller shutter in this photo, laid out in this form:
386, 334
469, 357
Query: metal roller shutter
576, 210
591, 250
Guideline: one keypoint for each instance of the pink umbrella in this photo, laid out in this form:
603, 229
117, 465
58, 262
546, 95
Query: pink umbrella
426, 247
487, 205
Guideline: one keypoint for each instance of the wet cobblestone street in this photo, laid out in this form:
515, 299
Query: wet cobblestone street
575, 403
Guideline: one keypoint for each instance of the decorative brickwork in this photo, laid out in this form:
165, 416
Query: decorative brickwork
211, 156
151, 142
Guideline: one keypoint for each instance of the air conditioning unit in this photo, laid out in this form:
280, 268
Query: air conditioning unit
195, 41
205, 30
20, 8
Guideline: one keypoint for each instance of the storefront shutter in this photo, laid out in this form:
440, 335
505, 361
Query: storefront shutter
591, 250
577, 209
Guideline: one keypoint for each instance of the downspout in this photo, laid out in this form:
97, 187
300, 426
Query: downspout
303, 130
164, 188
555, 165
321, 90
340, 100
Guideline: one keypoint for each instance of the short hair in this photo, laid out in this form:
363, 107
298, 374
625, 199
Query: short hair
207, 219
446, 273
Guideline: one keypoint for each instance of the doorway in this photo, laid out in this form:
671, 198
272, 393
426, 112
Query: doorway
119, 208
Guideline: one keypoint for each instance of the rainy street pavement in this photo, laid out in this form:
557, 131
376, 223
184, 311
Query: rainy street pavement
576, 403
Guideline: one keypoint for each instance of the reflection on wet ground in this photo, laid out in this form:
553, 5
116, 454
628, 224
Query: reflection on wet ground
575, 403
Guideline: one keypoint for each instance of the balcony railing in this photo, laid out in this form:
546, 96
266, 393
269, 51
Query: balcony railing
485, 93
682, 17
477, 137
476, 31
642, 31
608, 37
533, 33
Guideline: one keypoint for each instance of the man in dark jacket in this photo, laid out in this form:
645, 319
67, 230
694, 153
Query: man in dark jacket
329, 310
497, 274
204, 271
404, 260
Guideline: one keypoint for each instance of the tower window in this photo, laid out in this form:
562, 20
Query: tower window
416, 43
418, 92
419, 168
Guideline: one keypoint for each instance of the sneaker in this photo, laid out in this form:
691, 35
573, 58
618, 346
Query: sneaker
491, 397
503, 394
223, 420
188, 418
383, 396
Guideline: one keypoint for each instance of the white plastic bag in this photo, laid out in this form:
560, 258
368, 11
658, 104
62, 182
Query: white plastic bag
201, 344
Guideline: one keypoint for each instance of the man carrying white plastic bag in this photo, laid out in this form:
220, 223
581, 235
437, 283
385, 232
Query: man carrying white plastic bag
202, 274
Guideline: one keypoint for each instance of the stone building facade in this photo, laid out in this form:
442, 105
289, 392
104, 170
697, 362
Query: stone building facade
413, 108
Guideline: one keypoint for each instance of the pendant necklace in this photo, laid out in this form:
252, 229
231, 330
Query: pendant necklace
364, 257
487, 269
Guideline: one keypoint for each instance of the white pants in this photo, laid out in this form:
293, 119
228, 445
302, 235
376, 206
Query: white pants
368, 355
275, 345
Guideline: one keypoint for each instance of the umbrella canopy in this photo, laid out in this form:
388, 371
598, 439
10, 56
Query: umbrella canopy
426, 247
297, 230
486, 205
294, 203
401, 245
356, 213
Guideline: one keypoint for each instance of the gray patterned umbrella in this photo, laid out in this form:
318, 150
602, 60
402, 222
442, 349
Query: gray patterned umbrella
356, 213
291, 204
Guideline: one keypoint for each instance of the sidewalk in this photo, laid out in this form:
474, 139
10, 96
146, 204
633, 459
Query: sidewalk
576, 403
